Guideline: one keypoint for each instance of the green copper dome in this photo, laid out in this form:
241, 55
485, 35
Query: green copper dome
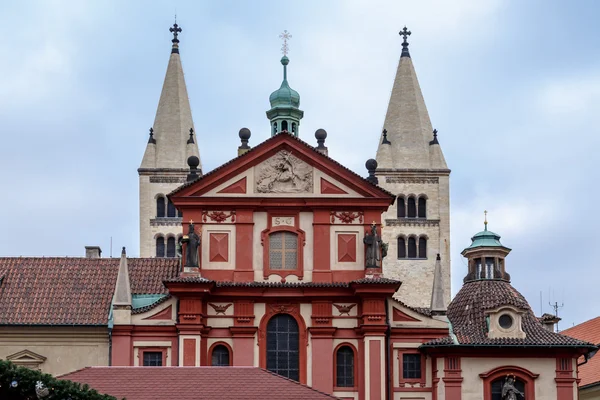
285, 96
485, 238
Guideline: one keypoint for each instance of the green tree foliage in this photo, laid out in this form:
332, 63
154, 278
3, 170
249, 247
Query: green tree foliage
20, 383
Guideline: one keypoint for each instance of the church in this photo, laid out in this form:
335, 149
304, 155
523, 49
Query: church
284, 259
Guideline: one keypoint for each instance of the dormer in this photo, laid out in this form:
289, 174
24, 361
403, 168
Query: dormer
505, 322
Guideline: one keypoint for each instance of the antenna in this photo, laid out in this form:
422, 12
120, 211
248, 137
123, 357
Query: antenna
555, 307
111, 247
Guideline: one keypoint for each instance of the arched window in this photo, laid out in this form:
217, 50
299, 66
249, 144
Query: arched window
422, 247
171, 210
171, 247
412, 208
293, 127
220, 356
412, 247
344, 367
401, 247
283, 250
401, 207
283, 346
498, 384
284, 125
274, 128
160, 207
422, 207
160, 246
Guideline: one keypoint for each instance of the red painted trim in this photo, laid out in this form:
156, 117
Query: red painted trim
375, 371
301, 237
244, 246
356, 362
236, 187
526, 376
452, 378
189, 352
293, 310
401, 378
329, 188
565, 382
321, 246
212, 347
161, 315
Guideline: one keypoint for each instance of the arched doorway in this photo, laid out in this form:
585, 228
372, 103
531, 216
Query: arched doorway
283, 346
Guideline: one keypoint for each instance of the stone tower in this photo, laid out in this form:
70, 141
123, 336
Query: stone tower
164, 166
411, 165
285, 114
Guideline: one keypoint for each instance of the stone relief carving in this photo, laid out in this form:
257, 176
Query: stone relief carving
284, 173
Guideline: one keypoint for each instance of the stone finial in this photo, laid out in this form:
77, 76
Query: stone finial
385, 139
321, 135
191, 139
151, 138
193, 163
122, 296
371, 165
435, 139
244, 137
437, 295
405, 33
175, 30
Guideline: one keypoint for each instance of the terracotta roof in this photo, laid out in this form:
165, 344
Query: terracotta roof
271, 139
467, 314
589, 373
267, 284
70, 290
192, 383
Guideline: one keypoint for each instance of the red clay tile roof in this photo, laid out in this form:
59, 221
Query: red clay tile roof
193, 383
467, 314
589, 331
70, 290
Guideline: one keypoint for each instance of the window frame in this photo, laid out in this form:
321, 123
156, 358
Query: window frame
408, 248
212, 349
423, 360
164, 246
160, 199
278, 351
301, 236
521, 373
419, 251
144, 350
400, 207
404, 244
354, 368
422, 208
172, 239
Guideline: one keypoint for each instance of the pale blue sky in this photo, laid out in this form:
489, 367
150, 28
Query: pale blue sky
512, 86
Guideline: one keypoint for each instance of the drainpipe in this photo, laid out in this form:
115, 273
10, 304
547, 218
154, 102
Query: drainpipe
109, 347
388, 372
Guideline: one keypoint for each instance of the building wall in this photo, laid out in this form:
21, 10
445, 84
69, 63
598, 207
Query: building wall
592, 393
66, 348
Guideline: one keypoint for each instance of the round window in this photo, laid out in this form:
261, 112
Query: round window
505, 321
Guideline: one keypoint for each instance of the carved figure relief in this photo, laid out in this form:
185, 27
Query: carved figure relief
284, 173
509, 391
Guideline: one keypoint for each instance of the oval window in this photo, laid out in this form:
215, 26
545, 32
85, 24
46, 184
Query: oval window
505, 321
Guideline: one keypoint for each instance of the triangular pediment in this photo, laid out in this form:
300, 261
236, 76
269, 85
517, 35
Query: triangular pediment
404, 316
26, 356
282, 166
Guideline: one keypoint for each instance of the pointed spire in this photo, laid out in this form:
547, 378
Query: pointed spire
407, 123
122, 296
173, 118
437, 295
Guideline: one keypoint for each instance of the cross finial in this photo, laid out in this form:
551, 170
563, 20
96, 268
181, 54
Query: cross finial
485, 219
151, 139
285, 36
191, 139
405, 33
175, 30
385, 139
435, 139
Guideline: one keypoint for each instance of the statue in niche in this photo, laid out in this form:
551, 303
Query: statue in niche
373, 246
193, 244
284, 173
509, 391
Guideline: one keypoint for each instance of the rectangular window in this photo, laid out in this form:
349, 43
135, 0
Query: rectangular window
153, 358
283, 250
411, 366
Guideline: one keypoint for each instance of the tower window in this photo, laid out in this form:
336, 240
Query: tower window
283, 250
412, 247
284, 125
283, 346
401, 247
422, 207
160, 246
344, 367
293, 127
171, 210
160, 207
412, 208
274, 128
422, 247
400, 203
220, 356
171, 247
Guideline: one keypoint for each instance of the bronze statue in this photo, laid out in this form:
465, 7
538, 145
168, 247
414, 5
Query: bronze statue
193, 243
509, 391
373, 245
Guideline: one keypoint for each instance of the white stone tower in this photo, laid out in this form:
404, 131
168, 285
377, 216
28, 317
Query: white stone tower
411, 165
164, 166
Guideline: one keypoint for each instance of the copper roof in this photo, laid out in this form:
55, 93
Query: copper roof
71, 290
192, 383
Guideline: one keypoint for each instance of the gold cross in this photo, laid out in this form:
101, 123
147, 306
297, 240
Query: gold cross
191, 221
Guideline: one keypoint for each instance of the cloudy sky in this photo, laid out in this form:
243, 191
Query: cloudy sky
513, 88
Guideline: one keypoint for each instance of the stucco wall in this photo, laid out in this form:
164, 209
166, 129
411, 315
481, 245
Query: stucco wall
66, 348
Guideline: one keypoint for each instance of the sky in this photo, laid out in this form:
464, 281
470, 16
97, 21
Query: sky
513, 88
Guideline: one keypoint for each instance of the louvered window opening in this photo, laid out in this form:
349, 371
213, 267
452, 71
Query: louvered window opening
411, 366
153, 359
220, 356
283, 346
345, 367
283, 251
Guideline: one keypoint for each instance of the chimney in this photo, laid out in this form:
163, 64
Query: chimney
93, 251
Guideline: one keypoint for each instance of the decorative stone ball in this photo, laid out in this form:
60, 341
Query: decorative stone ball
193, 162
245, 133
321, 134
371, 164
285, 60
